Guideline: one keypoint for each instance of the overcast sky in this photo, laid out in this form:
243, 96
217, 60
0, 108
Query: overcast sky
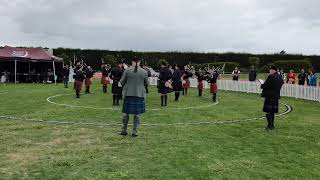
255, 26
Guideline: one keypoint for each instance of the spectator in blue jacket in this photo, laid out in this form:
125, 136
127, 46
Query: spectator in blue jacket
312, 78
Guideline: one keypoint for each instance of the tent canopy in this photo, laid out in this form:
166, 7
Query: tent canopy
27, 54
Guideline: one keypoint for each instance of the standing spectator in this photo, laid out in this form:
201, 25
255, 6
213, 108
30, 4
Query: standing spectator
252, 75
312, 78
291, 77
302, 77
283, 75
271, 93
235, 74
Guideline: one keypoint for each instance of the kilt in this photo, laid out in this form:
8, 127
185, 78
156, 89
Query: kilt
186, 85
87, 82
213, 88
134, 105
177, 85
105, 80
271, 105
78, 85
200, 85
162, 89
115, 88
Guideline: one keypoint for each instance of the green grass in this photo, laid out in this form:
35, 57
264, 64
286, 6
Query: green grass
32, 150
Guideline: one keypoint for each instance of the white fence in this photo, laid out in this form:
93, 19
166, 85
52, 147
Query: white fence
288, 90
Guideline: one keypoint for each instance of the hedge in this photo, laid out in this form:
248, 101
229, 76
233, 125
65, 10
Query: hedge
295, 65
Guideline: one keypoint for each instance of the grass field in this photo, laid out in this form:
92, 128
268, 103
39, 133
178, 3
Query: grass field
35, 150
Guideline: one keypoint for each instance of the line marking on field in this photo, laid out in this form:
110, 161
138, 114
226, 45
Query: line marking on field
49, 100
288, 110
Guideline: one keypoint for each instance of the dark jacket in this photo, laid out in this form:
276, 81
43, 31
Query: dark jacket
164, 76
272, 86
252, 75
66, 72
79, 76
88, 73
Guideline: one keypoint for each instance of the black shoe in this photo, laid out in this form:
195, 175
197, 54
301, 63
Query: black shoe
134, 133
124, 133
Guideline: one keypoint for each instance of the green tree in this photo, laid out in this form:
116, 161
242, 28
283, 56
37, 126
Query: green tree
162, 61
110, 59
66, 58
254, 61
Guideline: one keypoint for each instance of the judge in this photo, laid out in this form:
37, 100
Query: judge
271, 92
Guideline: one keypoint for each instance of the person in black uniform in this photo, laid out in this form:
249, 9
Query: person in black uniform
271, 92
65, 74
79, 77
186, 82
163, 84
105, 70
177, 82
116, 74
252, 75
200, 77
89, 74
213, 84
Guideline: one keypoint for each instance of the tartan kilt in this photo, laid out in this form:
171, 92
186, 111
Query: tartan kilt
186, 85
271, 105
104, 81
134, 105
213, 88
200, 85
78, 85
115, 88
177, 85
87, 82
162, 89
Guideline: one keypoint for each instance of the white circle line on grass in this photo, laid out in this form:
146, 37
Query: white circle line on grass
49, 100
288, 110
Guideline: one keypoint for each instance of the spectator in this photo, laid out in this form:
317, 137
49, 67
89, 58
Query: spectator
235, 74
291, 77
312, 78
283, 75
252, 75
302, 77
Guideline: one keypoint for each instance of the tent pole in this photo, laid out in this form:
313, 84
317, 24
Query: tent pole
15, 71
54, 73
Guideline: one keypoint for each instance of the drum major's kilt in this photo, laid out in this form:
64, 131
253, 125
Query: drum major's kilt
271, 105
115, 88
162, 89
133, 105
177, 85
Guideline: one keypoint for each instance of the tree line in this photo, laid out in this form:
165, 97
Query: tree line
243, 60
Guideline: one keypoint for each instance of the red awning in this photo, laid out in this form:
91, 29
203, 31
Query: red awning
33, 54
